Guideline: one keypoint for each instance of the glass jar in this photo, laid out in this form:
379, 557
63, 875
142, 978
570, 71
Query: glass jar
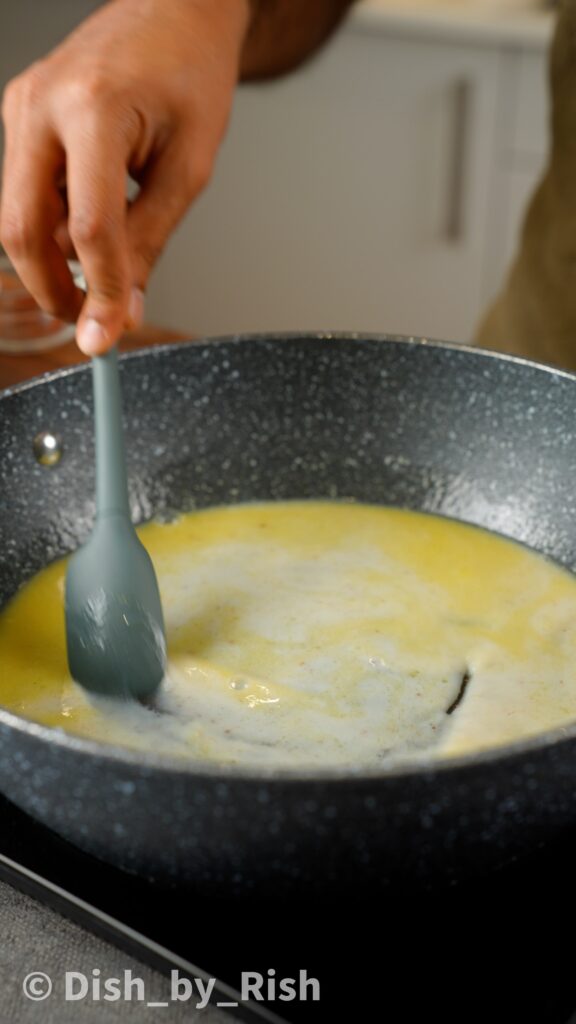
24, 327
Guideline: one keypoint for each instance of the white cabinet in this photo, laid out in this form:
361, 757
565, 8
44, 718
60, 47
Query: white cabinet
378, 189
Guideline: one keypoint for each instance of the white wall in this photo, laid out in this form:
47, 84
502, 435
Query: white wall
29, 28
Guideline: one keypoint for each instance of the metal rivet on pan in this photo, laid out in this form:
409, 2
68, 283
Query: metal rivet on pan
47, 448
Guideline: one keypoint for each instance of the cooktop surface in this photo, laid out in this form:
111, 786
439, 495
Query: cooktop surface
494, 949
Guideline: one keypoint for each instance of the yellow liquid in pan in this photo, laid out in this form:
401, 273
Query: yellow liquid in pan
318, 633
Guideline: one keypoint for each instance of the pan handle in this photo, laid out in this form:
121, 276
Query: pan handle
461, 104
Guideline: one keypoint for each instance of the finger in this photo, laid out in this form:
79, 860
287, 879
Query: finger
170, 185
63, 240
96, 182
30, 209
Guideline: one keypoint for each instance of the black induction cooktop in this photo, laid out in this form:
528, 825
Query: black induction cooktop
500, 949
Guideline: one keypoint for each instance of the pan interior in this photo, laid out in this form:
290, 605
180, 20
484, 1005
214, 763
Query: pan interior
424, 426
321, 634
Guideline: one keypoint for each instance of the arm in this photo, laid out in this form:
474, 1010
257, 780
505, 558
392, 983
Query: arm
142, 87
283, 33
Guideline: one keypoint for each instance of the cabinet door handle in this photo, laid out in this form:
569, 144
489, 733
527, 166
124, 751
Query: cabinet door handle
461, 100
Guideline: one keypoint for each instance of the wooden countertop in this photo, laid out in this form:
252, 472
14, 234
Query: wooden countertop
15, 368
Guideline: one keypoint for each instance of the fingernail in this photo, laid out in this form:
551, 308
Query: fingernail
92, 337
136, 307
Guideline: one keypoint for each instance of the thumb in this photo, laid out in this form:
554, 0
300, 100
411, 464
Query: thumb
104, 314
96, 175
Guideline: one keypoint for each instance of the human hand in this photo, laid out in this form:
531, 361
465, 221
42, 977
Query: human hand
143, 87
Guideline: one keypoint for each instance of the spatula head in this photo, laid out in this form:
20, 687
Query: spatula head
114, 623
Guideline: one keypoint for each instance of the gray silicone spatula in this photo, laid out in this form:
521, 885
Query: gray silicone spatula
114, 623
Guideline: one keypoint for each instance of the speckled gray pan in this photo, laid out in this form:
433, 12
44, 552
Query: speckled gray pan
484, 438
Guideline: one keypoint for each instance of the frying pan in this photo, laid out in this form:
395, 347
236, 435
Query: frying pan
468, 434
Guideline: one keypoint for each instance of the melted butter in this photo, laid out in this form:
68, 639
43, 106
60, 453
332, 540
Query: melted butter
317, 633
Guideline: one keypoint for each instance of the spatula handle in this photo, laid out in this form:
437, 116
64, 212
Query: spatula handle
111, 480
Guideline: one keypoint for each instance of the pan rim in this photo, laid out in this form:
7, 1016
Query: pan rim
359, 337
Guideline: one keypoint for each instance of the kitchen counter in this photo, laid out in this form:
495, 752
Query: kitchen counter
36, 938
514, 23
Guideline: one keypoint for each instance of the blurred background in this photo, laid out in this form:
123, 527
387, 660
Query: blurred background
379, 188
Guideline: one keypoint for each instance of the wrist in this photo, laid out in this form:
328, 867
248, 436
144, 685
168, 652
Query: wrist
237, 16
